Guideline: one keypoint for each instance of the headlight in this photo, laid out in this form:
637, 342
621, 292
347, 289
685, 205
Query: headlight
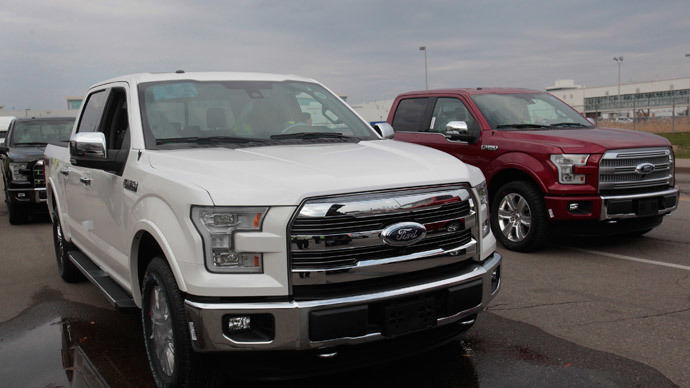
564, 164
483, 193
15, 169
217, 227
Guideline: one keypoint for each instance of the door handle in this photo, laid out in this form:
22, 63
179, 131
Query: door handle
85, 180
64, 171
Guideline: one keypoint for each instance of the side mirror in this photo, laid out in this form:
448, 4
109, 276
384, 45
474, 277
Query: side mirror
591, 120
88, 146
3, 149
458, 130
385, 130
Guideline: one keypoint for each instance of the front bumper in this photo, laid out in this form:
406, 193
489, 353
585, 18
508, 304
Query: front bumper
612, 207
290, 320
27, 196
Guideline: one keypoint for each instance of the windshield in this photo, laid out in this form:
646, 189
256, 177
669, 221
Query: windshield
244, 113
526, 111
38, 132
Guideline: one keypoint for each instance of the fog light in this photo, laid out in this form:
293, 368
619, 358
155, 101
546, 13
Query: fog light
495, 279
237, 324
21, 195
572, 206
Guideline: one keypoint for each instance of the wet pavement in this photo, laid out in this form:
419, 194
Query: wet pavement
578, 313
60, 344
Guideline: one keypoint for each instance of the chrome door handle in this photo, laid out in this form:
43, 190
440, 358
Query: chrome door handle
64, 171
85, 180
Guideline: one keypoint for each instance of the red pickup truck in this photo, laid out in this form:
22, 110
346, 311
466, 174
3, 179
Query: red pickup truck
547, 167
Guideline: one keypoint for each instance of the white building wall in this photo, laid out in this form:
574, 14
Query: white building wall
373, 111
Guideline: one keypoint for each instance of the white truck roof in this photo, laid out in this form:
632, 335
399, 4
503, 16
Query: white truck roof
203, 76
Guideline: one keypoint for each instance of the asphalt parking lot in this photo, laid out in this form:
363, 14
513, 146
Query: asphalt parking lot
582, 312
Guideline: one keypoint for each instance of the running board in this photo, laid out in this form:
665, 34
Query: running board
115, 294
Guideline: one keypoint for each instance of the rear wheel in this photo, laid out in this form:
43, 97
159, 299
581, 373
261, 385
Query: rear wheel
166, 333
518, 217
68, 271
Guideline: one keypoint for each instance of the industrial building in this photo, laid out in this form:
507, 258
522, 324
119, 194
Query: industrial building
663, 98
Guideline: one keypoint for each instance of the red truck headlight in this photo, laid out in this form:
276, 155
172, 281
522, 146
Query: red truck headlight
564, 164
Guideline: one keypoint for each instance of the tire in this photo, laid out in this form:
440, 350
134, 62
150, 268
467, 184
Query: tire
518, 217
17, 215
67, 270
168, 343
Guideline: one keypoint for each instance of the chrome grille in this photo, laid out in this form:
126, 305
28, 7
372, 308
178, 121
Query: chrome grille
337, 240
618, 168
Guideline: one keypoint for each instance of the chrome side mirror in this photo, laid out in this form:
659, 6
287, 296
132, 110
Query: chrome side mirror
89, 145
456, 130
385, 130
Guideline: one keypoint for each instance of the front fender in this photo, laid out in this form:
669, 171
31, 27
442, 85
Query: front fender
522, 162
173, 233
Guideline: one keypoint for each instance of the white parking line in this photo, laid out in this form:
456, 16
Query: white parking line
623, 257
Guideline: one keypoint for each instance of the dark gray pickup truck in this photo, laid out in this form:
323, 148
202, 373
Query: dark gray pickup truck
22, 163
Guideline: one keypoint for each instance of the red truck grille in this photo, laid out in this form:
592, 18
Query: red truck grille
623, 169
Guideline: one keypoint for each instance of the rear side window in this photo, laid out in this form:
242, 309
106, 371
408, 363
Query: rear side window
91, 116
410, 114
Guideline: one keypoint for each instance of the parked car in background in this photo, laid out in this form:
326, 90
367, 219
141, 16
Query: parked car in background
547, 167
22, 163
5, 122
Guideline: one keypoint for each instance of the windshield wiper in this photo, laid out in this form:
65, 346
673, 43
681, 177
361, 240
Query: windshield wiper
518, 126
31, 143
311, 135
207, 140
578, 125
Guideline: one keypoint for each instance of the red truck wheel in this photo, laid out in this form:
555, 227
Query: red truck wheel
518, 217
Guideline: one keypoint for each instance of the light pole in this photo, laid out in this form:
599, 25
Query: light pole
619, 60
426, 76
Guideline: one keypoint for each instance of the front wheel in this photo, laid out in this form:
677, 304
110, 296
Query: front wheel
518, 217
166, 334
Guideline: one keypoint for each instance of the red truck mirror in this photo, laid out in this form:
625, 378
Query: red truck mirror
458, 130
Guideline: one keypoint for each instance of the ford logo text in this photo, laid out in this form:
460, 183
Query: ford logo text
644, 168
403, 233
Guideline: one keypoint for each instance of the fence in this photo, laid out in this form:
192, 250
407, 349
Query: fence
675, 124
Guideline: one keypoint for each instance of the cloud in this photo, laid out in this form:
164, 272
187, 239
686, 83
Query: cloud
367, 50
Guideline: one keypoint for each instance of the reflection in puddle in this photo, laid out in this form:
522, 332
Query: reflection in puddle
34, 358
105, 349
79, 369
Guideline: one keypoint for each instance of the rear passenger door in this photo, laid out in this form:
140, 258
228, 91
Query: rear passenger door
422, 120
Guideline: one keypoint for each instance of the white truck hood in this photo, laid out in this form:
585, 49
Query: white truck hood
286, 174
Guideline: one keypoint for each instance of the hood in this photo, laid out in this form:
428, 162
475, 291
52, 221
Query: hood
25, 154
588, 140
285, 175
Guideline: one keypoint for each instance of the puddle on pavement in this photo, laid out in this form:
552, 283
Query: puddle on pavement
88, 348
84, 346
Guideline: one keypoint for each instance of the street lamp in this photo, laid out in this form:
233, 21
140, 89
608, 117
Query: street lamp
426, 76
619, 60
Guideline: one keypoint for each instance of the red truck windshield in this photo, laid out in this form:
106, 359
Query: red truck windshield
527, 111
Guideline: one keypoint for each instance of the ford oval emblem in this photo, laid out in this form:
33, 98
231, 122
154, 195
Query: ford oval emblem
644, 168
403, 233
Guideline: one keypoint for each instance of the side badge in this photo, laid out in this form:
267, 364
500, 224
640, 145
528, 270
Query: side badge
130, 185
489, 147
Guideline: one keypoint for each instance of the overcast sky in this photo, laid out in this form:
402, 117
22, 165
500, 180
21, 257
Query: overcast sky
368, 50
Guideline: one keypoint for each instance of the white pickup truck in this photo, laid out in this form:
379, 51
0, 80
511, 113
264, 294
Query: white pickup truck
254, 212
